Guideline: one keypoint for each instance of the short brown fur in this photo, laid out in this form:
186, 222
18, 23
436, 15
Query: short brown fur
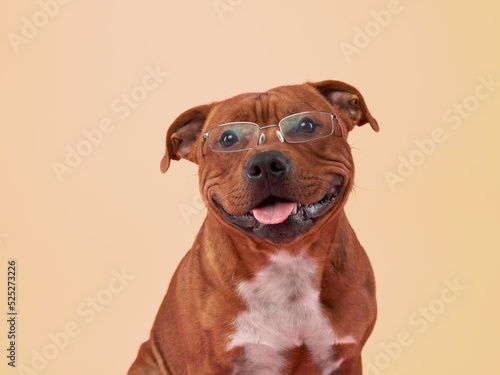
192, 330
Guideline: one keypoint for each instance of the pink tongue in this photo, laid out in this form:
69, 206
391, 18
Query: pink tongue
274, 213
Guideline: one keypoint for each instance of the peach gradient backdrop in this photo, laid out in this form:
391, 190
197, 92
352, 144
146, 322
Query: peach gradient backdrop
116, 211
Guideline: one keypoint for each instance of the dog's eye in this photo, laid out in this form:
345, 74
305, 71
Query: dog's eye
306, 125
228, 138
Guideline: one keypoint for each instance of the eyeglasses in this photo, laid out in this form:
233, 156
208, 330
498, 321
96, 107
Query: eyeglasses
297, 128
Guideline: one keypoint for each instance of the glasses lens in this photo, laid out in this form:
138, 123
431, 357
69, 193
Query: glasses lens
237, 136
307, 126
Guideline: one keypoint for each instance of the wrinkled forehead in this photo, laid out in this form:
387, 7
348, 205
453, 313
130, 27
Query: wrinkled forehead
266, 108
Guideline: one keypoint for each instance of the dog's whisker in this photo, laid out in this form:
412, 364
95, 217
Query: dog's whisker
360, 151
363, 188
321, 187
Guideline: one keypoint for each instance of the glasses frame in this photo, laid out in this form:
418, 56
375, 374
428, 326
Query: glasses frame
261, 138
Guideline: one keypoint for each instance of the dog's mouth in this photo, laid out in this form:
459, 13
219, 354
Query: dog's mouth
279, 220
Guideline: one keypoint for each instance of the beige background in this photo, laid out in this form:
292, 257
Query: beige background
115, 211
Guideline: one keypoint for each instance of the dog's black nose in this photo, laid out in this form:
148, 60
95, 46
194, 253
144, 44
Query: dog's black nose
270, 165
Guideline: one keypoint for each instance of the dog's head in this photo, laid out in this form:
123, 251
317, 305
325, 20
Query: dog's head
273, 164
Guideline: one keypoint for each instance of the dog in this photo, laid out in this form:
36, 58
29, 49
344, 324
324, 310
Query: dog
276, 281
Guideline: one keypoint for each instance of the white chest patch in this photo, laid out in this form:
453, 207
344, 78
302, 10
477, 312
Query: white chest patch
283, 313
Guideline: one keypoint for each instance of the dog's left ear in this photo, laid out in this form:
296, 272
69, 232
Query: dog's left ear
349, 100
183, 134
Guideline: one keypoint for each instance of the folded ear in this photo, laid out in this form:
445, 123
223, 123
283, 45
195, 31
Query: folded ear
183, 134
349, 100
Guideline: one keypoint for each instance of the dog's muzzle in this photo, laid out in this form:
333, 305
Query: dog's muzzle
279, 216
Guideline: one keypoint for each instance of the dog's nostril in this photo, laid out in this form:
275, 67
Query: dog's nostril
277, 167
255, 171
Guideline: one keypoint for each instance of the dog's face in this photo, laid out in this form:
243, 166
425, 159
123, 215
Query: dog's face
277, 182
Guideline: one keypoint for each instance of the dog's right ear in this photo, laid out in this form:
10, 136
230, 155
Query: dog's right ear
183, 134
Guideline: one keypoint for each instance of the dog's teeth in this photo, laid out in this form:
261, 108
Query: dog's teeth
295, 207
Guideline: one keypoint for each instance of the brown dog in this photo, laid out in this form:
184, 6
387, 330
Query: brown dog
276, 281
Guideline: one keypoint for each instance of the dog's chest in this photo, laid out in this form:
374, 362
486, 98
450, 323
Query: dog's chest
283, 313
